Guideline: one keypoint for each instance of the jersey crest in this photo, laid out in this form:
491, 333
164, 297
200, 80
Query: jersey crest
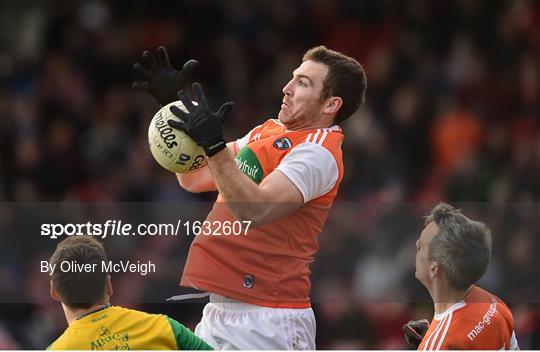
282, 143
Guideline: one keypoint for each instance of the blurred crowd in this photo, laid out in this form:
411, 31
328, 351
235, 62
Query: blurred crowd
452, 114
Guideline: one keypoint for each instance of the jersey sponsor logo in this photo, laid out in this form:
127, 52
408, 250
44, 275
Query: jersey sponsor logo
119, 340
249, 280
249, 164
104, 331
486, 320
282, 143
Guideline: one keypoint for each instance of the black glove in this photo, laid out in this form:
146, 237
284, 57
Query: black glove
415, 330
160, 79
203, 125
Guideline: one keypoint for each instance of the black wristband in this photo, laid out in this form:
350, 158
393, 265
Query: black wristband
214, 147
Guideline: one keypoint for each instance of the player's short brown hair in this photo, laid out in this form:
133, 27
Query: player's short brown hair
462, 246
346, 79
79, 289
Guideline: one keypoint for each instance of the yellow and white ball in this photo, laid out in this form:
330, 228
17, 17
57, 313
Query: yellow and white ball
173, 149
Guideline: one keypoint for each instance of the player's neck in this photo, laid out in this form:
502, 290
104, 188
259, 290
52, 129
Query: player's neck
72, 314
444, 297
296, 125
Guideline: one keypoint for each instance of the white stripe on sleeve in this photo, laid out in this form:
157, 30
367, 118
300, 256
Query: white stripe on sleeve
436, 331
323, 138
242, 142
444, 332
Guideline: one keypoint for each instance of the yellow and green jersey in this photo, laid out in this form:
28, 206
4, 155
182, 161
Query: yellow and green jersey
117, 328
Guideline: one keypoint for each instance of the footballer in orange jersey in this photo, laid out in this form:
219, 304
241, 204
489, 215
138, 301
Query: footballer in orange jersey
282, 177
452, 253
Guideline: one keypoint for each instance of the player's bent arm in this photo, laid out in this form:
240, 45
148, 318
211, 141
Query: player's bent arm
274, 198
201, 180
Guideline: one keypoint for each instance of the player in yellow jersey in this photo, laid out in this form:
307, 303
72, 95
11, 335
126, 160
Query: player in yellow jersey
283, 176
453, 252
93, 323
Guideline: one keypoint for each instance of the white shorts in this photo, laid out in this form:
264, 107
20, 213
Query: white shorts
227, 324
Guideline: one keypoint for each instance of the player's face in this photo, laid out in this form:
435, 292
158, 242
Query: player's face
302, 104
422, 252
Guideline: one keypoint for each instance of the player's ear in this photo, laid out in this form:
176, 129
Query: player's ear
54, 293
332, 105
434, 270
108, 286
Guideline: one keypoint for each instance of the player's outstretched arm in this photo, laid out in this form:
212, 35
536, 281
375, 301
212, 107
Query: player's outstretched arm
201, 180
275, 197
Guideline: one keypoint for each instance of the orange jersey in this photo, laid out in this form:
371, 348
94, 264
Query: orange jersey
269, 266
480, 322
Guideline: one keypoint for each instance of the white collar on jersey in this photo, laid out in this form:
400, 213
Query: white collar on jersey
456, 306
334, 128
